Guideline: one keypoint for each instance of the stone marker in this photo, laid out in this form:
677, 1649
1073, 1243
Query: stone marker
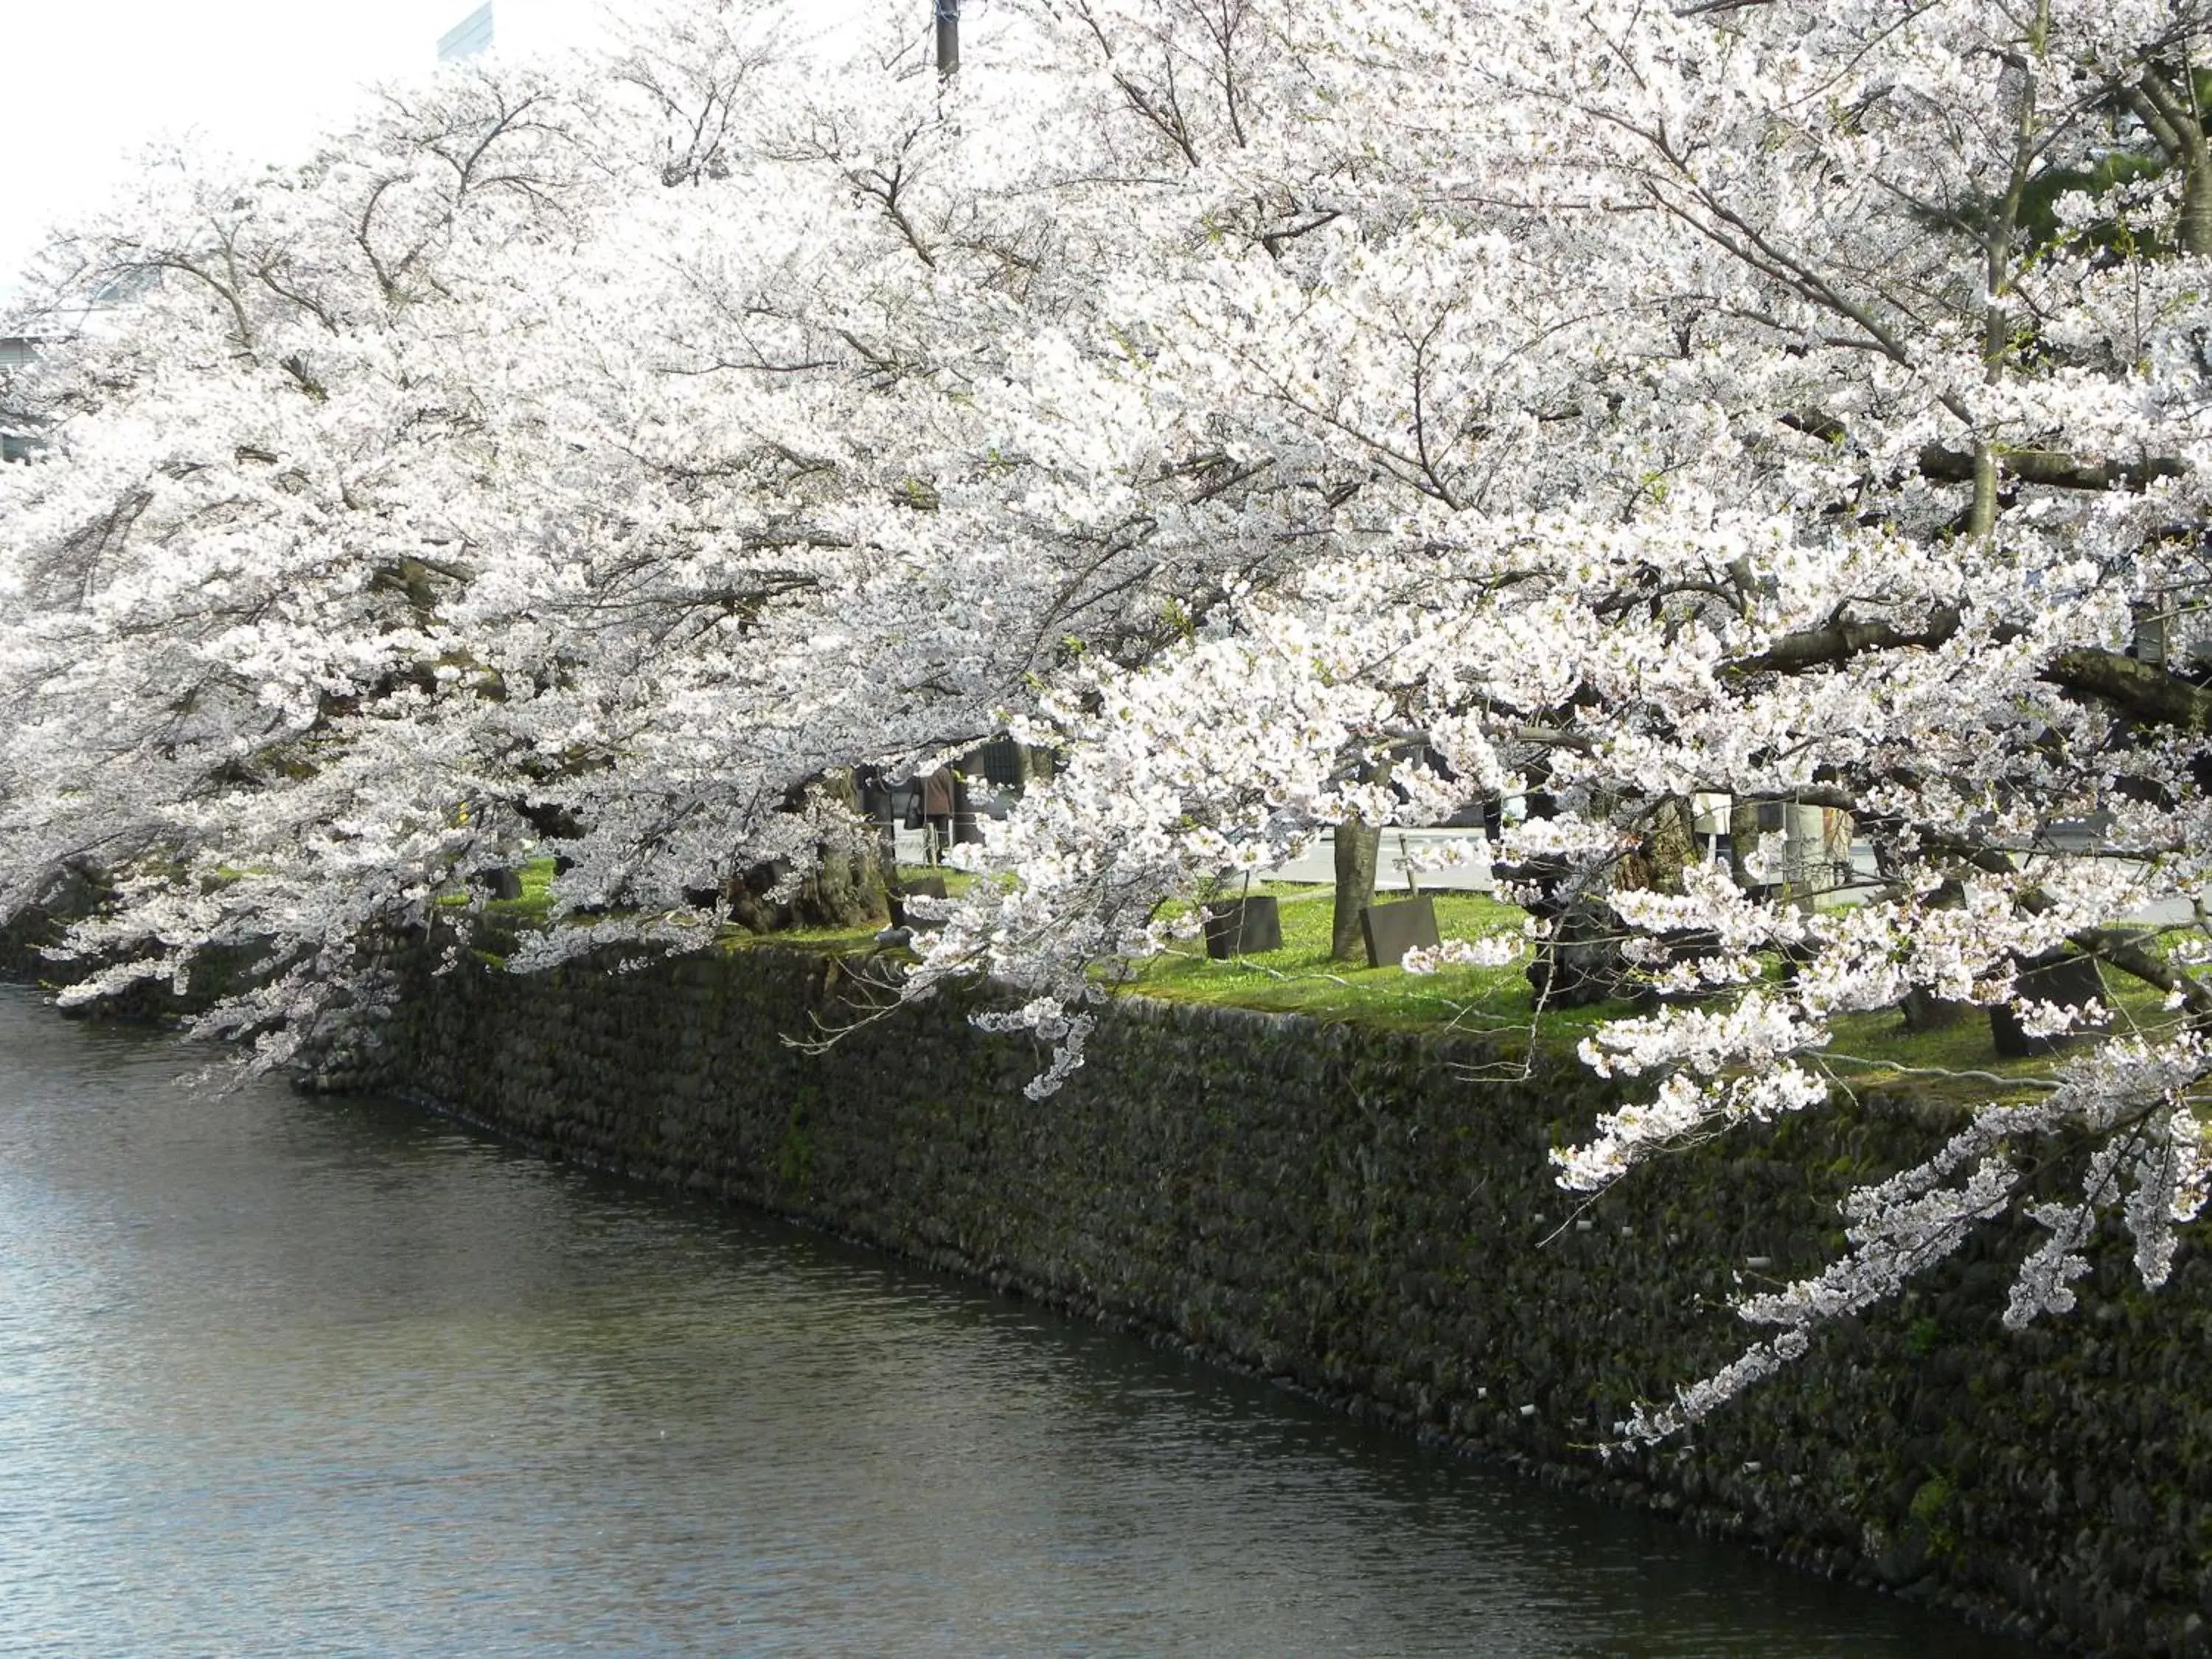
919, 887
1392, 930
1242, 927
501, 883
2065, 978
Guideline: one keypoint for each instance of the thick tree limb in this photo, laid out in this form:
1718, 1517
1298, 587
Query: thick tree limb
2051, 466
1839, 641
2140, 688
2125, 951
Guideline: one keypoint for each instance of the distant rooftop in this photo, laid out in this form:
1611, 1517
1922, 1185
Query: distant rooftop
471, 35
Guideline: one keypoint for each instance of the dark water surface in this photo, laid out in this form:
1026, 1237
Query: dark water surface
290, 1376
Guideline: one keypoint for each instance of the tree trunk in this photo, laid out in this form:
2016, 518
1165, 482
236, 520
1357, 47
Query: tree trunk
1358, 846
1669, 848
1582, 962
849, 887
1743, 838
1921, 1010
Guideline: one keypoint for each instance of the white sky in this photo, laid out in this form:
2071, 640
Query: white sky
87, 88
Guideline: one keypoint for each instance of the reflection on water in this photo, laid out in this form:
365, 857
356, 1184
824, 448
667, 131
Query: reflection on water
293, 1377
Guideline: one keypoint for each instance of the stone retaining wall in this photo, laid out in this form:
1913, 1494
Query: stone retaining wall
1349, 1212
1368, 1217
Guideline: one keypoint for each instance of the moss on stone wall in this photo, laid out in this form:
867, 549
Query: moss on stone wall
1344, 1210
1341, 1209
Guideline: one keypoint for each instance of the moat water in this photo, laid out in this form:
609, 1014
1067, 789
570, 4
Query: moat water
290, 1376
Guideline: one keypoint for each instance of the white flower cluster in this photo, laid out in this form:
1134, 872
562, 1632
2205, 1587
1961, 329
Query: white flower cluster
1485, 951
1341, 414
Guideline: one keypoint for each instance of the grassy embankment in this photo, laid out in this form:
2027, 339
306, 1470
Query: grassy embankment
1302, 978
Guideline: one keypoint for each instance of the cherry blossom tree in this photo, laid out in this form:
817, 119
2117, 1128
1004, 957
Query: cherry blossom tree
1613, 402
1790, 403
593, 462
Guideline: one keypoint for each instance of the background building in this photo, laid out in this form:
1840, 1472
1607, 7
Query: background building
519, 28
471, 35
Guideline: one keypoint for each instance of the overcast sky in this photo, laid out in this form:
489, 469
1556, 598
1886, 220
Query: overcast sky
88, 87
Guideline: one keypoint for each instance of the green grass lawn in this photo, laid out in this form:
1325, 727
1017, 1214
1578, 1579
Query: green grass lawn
1301, 977
536, 899
1875, 1049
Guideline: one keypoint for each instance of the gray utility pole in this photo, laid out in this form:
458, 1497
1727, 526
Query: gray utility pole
948, 36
